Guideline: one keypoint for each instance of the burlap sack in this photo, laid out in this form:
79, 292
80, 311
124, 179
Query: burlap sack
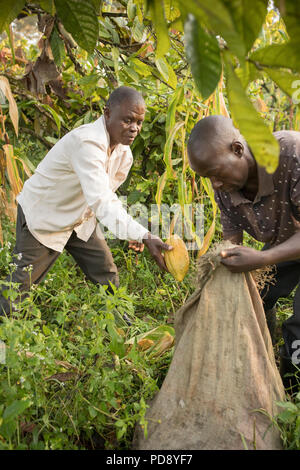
223, 370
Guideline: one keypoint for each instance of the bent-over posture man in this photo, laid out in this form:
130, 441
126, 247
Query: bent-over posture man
73, 188
267, 206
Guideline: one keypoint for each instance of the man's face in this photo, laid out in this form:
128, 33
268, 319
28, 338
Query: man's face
124, 121
228, 171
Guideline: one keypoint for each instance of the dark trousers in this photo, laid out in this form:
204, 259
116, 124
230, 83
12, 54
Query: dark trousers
287, 277
93, 257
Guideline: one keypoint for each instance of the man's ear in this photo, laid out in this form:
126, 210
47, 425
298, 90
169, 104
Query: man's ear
237, 148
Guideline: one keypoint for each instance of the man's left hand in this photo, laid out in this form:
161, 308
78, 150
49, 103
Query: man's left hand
242, 259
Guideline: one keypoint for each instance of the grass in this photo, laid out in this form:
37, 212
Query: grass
71, 380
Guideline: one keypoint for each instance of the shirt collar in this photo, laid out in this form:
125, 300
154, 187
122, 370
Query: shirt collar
102, 124
265, 188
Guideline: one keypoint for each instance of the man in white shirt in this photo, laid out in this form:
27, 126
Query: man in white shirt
74, 187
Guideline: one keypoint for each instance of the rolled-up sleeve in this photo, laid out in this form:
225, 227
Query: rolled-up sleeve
87, 159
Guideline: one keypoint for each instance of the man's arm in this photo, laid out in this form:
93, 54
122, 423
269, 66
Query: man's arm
243, 259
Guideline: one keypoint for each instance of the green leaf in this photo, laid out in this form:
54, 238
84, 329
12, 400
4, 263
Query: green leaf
92, 412
80, 19
155, 334
131, 10
160, 187
57, 47
172, 12
9, 10
57, 117
156, 8
47, 5
203, 54
140, 67
162, 67
117, 342
172, 77
262, 143
171, 113
46, 330
248, 73
248, 17
217, 18
97, 5
115, 56
15, 409
287, 81
137, 30
132, 74
171, 173
112, 29
285, 55
290, 12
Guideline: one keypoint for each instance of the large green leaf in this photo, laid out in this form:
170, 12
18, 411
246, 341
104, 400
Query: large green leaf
287, 81
156, 9
171, 113
290, 12
140, 67
57, 47
166, 72
248, 17
9, 10
216, 17
286, 55
203, 54
80, 19
171, 173
247, 73
263, 144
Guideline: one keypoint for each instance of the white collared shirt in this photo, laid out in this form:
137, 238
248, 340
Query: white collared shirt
74, 186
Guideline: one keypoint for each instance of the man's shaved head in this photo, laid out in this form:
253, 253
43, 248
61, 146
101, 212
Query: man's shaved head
217, 150
124, 93
211, 134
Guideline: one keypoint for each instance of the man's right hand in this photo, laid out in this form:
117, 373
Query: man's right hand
155, 245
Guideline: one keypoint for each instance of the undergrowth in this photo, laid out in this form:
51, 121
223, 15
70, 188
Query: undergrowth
72, 376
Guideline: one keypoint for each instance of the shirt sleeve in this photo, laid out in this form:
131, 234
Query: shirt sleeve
88, 161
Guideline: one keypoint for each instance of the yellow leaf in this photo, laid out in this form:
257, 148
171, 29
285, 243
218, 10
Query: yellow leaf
164, 344
12, 170
145, 344
13, 109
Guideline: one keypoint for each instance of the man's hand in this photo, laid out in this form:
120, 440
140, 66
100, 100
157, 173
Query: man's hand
242, 259
155, 245
136, 246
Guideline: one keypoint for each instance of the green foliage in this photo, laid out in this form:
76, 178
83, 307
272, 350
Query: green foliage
262, 143
248, 18
288, 421
203, 53
173, 52
80, 19
74, 378
9, 11
156, 9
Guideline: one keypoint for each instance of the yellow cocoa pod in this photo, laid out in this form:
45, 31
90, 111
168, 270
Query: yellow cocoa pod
177, 260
